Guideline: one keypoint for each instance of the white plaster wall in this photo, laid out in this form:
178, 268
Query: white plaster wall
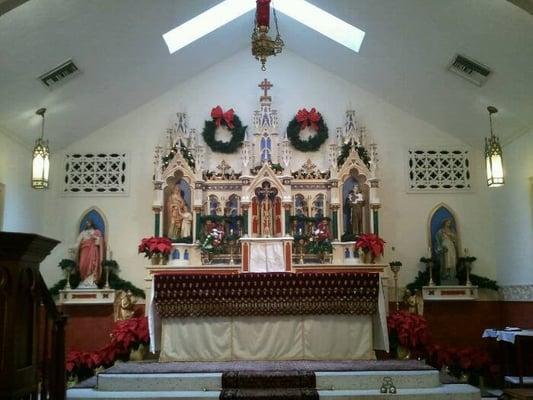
297, 83
513, 214
22, 204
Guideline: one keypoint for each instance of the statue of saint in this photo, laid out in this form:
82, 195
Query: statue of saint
175, 208
90, 246
446, 249
186, 223
355, 202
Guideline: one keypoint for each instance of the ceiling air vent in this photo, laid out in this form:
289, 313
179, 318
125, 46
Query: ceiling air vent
470, 70
59, 74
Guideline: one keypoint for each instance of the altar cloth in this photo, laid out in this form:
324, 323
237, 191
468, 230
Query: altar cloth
307, 316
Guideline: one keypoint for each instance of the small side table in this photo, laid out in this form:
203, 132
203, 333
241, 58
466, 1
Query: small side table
516, 338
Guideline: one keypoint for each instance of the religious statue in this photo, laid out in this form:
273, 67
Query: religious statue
178, 211
446, 250
266, 196
354, 211
124, 305
90, 254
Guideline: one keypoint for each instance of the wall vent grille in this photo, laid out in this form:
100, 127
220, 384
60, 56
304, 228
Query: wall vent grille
470, 70
60, 74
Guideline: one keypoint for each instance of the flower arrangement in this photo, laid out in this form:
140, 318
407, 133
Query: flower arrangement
408, 330
458, 361
126, 335
319, 242
214, 239
130, 333
155, 245
370, 243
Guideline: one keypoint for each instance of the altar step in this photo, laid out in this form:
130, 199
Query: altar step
331, 385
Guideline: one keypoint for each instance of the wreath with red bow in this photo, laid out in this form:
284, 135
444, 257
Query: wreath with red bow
229, 120
307, 119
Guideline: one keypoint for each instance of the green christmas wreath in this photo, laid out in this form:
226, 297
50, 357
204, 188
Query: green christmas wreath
303, 119
232, 123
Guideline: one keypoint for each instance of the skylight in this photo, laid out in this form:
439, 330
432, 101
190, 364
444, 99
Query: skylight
306, 13
323, 22
206, 22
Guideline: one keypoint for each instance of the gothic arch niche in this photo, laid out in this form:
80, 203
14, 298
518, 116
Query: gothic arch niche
266, 210
231, 212
177, 198
355, 205
97, 216
445, 241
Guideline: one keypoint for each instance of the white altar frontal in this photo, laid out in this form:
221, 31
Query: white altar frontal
263, 209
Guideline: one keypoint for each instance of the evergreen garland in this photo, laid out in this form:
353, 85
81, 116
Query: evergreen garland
311, 144
184, 151
345, 152
218, 146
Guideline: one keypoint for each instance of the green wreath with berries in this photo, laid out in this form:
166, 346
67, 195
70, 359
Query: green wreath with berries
307, 119
231, 122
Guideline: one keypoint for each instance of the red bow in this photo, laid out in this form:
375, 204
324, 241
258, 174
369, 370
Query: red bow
308, 118
219, 115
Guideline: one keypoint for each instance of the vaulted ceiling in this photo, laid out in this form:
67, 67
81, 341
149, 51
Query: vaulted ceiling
408, 45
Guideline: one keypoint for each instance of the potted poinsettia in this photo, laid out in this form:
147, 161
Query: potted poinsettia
371, 245
131, 337
156, 248
408, 333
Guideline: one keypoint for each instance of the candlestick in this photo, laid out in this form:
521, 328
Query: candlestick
429, 252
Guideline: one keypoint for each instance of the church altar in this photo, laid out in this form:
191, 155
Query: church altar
251, 226
267, 316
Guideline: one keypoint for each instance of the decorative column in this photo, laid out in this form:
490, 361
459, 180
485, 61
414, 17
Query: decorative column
244, 220
375, 203
335, 221
157, 205
287, 217
197, 228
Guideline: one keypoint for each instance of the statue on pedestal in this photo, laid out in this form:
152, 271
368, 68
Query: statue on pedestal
353, 206
90, 254
180, 217
446, 250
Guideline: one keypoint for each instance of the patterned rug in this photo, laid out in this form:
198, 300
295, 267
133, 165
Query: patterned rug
277, 385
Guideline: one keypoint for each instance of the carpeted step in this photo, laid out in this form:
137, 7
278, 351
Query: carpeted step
269, 380
269, 394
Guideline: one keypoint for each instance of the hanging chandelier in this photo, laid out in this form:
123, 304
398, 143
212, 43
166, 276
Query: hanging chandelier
262, 45
41, 158
493, 155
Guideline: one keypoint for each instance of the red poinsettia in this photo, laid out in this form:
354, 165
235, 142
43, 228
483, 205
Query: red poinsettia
308, 118
130, 333
410, 329
155, 245
369, 242
458, 360
219, 116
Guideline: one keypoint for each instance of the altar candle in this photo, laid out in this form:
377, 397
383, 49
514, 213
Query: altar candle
231, 232
300, 231
429, 252
466, 252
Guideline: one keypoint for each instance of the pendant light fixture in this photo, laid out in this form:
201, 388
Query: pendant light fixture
41, 158
493, 155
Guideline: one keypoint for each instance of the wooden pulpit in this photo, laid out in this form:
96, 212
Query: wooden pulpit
21, 294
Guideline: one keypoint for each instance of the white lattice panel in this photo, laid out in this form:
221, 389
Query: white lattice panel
439, 170
92, 174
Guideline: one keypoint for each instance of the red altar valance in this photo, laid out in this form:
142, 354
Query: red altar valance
248, 294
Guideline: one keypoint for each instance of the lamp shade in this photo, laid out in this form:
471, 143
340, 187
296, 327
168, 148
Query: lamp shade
493, 155
40, 164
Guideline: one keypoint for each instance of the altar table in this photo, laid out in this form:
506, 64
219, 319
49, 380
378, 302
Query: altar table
267, 316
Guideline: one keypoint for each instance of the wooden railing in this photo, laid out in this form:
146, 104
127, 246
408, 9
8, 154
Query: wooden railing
32, 335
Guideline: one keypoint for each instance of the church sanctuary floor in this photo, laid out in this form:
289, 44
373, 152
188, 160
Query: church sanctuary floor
342, 380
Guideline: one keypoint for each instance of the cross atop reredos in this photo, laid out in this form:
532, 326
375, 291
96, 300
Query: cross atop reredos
266, 86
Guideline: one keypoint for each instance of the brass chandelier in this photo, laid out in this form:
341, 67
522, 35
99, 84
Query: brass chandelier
262, 45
